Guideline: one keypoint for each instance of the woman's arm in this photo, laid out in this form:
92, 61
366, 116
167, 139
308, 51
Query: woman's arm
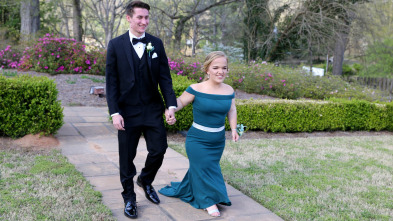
184, 99
232, 119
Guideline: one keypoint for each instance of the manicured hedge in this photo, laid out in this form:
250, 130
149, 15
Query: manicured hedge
298, 115
28, 105
308, 116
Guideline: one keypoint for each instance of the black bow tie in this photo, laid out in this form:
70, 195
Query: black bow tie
136, 40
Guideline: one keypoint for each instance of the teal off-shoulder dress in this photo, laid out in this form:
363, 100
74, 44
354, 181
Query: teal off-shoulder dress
203, 185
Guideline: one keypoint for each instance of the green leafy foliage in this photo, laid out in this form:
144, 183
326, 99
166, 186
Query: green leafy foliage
308, 116
283, 82
29, 105
297, 115
378, 61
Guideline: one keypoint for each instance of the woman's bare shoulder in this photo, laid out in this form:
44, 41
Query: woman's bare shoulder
197, 86
228, 88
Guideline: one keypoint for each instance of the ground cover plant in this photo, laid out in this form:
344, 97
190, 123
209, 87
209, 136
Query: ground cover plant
315, 178
283, 82
43, 185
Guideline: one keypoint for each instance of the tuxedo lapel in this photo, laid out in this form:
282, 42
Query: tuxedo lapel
148, 40
128, 50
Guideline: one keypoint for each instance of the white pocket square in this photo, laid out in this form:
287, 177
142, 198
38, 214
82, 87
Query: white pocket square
154, 55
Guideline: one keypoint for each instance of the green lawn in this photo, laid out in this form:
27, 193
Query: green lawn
43, 185
320, 178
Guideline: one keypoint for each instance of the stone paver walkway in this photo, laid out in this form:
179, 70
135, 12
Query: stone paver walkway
89, 141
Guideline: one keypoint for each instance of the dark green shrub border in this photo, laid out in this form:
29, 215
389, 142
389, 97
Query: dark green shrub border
308, 116
29, 105
298, 115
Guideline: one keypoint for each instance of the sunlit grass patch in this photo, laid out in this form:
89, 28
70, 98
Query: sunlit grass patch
339, 178
94, 79
44, 185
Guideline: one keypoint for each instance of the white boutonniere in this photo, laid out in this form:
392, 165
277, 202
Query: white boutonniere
149, 48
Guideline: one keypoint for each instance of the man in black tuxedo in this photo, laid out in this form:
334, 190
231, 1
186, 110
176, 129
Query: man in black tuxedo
136, 65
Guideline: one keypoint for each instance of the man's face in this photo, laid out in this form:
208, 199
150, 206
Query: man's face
139, 21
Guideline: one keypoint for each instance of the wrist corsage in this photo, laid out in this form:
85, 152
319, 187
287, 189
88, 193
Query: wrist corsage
240, 129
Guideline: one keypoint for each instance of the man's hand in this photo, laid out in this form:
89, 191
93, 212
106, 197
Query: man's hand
170, 116
118, 122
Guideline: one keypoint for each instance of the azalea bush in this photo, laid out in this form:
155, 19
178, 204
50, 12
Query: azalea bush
61, 55
283, 82
190, 69
265, 78
9, 57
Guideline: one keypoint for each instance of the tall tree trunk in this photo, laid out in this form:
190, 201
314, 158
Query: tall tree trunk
195, 35
179, 31
64, 23
339, 49
30, 19
77, 22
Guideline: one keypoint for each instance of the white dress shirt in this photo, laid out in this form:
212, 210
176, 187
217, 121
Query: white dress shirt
139, 47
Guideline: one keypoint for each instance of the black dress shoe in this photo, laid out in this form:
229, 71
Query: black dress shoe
130, 210
150, 193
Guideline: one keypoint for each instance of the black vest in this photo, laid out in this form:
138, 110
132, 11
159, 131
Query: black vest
143, 92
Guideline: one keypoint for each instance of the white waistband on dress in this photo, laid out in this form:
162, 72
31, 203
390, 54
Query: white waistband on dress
207, 129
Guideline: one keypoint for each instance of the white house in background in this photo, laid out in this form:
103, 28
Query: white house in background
315, 71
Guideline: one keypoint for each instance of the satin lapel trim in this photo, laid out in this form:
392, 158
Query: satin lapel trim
147, 54
128, 51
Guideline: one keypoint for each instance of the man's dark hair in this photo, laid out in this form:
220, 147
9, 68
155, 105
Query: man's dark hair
136, 4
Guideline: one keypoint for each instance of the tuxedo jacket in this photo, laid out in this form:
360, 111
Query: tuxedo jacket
120, 71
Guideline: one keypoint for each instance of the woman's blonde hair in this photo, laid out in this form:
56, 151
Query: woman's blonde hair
209, 58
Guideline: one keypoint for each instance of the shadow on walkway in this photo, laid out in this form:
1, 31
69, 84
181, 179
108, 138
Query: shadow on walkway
89, 141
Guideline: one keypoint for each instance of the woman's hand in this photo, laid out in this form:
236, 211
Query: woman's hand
170, 116
235, 135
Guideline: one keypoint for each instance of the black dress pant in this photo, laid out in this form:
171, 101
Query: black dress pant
153, 129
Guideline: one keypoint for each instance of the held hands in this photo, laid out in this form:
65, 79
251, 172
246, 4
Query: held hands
118, 122
170, 116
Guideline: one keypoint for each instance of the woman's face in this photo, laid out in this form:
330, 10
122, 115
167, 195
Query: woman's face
218, 70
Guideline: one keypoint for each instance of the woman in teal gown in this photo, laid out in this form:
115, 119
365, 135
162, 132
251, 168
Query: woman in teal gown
203, 186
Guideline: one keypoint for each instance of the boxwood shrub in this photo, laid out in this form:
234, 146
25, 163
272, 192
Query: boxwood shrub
308, 116
29, 105
297, 115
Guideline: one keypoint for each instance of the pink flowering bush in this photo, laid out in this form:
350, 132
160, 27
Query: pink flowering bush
282, 82
9, 58
61, 55
263, 78
181, 67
